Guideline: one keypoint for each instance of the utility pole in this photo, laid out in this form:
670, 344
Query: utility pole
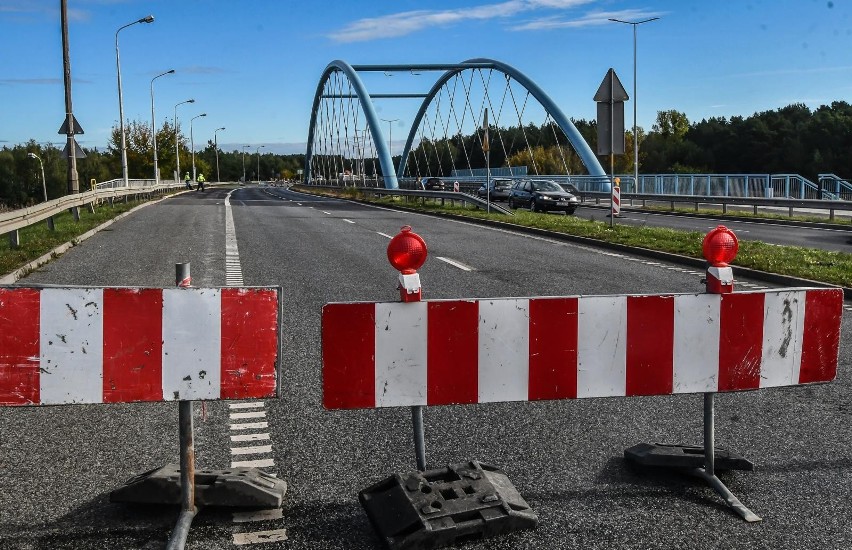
73, 181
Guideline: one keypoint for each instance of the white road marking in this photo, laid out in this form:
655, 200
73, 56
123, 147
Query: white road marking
250, 426
258, 515
253, 414
324, 212
249, 437
384, 234
261, 463
276, 535
254, 450
252, 405
233, 270
455, 263
348, 221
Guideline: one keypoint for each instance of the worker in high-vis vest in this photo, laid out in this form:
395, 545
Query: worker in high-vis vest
200, 183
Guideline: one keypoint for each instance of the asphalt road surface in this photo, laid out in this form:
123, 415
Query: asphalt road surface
58, 464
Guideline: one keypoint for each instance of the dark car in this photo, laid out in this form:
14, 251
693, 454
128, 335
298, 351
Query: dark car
500, 189
434, 184
542, 196
570, 188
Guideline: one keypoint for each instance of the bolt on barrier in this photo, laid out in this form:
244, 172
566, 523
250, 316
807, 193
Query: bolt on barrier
442, 352
76, 345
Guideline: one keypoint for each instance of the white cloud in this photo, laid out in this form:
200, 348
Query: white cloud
588, 20
404, 23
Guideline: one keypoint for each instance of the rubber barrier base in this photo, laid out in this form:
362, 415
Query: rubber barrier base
435, 508
683, 456
235, 487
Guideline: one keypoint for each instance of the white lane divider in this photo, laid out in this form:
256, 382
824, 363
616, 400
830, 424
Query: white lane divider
384, 234
249, 432
348, 221
324, 212
455, 263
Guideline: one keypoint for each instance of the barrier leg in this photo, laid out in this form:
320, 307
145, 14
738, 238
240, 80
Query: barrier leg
419, 436
708, 473
187, 478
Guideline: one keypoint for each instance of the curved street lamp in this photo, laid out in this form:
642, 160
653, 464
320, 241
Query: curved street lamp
244, 162
148, 19
154, 126
177, 152
635, 101
43, 182
192, 142
216, 147
258, 162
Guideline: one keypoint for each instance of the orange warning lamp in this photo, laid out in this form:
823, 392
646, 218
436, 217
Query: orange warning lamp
720, 246
407, 251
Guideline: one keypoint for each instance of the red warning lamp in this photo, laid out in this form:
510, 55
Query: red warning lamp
407, 251
720, 246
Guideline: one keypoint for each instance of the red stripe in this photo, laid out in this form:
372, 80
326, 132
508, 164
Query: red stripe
249, 345
348, 354
740, 341
133, 345
453, 352
19, 346
821, 339
650, 345
553, 348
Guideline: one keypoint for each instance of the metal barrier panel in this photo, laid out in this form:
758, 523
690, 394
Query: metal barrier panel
109, 345
476, 351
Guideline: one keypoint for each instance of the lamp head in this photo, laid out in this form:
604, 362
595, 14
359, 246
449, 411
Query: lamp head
148, 19
170, 72
32, 155
190, 101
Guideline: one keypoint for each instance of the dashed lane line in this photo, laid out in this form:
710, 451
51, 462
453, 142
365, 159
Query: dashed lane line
348, 221
455, 263
247, 411
384, 234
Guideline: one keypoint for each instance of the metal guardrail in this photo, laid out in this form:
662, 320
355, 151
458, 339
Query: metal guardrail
443, 195
11, 222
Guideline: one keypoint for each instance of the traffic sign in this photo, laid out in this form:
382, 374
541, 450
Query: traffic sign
610, 97
64, 128
78, 151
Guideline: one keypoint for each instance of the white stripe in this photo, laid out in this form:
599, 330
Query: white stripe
192, 333
252, 405
324, 212
257, 537
504, 327
384, 235
71, 355
602, 346
252, 414
233, 270
400, 354
249, 437
250, 426
348, 221
255, 450
455, 263
783, 321
261, 463
258, 515
696, 343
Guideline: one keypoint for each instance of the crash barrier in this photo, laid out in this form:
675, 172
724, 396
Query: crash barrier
74, 345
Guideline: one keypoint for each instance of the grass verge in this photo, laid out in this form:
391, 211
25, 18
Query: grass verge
807, 263
37, 240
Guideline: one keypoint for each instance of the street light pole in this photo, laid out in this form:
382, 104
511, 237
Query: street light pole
192, 143
154, 126
258, 163
390, 136
635, 101
244, 162
148, 19
43, 182
216, 147
177, 150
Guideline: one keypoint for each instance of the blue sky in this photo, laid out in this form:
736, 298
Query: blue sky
253, 65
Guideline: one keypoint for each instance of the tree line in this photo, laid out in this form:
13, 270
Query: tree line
792, 139
20, 175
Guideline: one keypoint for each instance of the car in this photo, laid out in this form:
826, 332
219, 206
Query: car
570, 188
542, 196
500, 189
434, 184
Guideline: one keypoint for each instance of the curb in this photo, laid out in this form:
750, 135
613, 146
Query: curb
18, 274
653, 254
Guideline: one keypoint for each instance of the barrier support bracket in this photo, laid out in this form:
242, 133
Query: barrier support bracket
697, 461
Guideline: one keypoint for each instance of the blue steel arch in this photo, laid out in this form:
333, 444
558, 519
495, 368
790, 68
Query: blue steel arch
372, 121
580, 146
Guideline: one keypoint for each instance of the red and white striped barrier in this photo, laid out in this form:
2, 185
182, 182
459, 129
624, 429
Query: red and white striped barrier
616, 200
476, 351
108, 345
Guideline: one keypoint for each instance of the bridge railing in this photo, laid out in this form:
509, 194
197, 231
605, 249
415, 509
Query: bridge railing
835, 186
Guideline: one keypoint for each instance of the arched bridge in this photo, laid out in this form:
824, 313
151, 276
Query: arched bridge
528, 133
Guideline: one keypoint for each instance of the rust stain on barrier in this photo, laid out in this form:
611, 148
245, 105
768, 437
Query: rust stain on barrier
72, 310
202, 374
787, 324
